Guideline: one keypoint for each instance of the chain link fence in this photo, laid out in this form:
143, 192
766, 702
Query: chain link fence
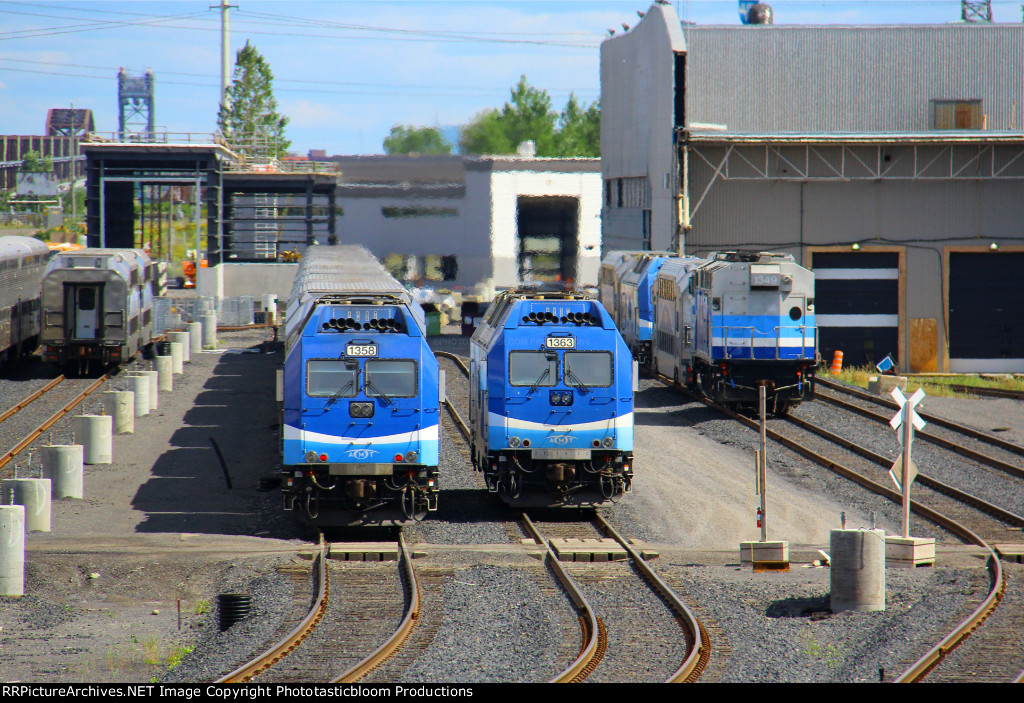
171, 313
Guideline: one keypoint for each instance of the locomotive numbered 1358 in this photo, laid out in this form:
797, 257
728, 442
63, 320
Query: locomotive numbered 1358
361, 396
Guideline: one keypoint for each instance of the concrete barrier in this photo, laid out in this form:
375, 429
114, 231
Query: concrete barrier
12, 550
63, 465
120, 405
34, 495
858, 570
94, 433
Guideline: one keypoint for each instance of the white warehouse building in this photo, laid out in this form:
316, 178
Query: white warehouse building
462, 223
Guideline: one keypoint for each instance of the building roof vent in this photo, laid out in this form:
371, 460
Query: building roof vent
527, 149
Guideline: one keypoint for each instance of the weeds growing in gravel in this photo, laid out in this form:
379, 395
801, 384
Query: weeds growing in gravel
176, 655
829, 653
202, 607
151, 649
932, 385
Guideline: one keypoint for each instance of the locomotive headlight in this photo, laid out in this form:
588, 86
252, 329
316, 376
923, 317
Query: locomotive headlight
607, 442
311, 457
411, 456
514, 442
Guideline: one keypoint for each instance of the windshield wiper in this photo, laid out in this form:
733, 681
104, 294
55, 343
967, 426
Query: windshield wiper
370, 385
337, 393
545, 374
570, 376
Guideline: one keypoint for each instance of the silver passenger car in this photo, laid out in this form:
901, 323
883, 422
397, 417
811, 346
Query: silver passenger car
97, 307
22, 260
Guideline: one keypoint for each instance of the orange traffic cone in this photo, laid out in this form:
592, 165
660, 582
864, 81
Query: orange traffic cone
837, 362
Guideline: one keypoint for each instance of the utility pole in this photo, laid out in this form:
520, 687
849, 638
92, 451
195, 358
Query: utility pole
225, 58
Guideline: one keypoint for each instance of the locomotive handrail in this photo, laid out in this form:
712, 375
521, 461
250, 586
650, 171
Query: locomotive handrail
755, 335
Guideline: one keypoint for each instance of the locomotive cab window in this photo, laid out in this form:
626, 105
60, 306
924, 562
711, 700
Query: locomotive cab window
588, 368
392, 378
532, 368
327, 378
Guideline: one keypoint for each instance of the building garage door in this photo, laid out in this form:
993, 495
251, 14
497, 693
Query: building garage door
857, 305
986, 312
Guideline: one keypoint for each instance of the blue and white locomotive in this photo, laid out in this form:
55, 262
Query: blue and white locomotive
636, 313
551, 400
754, 325
360, 391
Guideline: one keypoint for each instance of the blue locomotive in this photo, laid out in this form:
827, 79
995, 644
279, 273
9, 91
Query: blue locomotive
360, 390
551, 400
636, 313
754, 324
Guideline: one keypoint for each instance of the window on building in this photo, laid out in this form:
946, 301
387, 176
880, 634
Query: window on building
957, 114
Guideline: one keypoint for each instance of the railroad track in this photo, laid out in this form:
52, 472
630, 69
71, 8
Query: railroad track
1003, 464
697, 646
329, 643
58, 398
1002, 640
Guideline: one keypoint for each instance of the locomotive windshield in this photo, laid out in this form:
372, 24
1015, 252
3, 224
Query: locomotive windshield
332, 378
589, 368
531, 368
391, 378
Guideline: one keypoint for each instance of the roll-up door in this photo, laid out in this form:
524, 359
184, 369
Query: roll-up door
857, 298
986, 311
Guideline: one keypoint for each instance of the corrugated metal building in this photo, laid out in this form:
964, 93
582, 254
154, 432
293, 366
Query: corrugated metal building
889, 159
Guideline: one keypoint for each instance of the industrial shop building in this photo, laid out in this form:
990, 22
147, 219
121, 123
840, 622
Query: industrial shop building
890, 159
444, 222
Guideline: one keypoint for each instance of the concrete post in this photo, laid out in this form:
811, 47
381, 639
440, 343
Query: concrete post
209, 323
94, 433
34, 495
165, 370
858, 570
177, 357
183, 339
12, 550
120, 405
140, 387
195, 337
62, 464
154, 388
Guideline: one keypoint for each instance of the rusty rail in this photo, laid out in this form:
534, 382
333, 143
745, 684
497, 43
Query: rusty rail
384, 652
280, 650
25, 402
53, 420
594, 638
921, 667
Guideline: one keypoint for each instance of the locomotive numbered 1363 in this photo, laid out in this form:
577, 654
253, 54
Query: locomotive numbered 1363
551, 400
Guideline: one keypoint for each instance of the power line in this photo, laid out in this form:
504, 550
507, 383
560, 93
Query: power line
420, 87
382, 90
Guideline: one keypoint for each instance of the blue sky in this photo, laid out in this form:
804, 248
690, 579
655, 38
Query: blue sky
345, 72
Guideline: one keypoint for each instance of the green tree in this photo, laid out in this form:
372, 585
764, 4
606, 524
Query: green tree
528, 116
35, 163
416, 140
579, 130
250, 119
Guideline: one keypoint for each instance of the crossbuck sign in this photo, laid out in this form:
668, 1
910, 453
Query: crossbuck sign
903, 470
